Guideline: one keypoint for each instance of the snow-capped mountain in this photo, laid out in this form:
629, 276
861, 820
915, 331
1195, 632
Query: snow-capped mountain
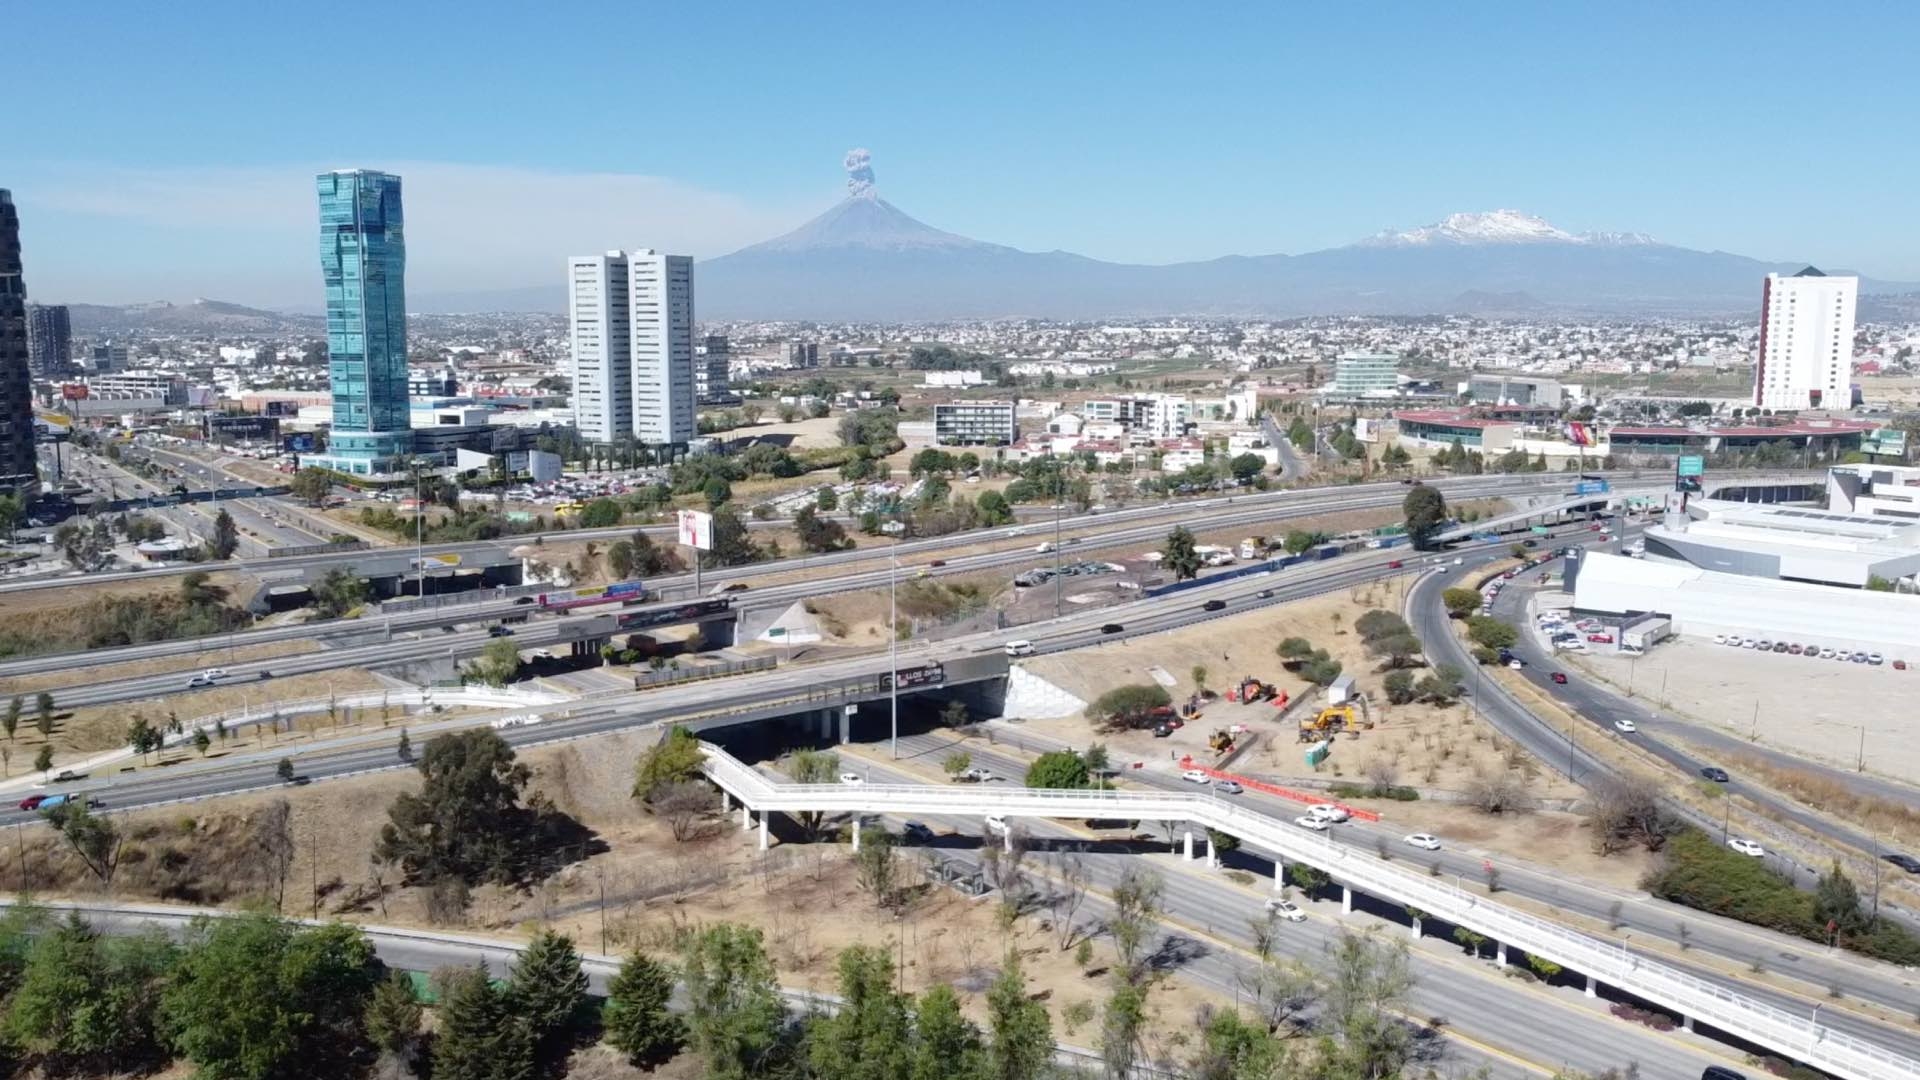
1499, 227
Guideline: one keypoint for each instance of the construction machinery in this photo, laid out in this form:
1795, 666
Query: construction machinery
1251, 690
1221, 740
1328, 722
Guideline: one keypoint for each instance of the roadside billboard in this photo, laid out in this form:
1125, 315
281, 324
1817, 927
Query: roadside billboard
618, 592
1690, 465
696, 529
1887, 442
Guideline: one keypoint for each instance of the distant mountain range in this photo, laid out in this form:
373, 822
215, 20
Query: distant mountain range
866, 259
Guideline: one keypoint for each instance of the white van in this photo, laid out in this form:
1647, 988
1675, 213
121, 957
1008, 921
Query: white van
1019, 648
1044, 549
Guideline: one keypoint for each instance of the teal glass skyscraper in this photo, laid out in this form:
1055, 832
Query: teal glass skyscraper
363, 260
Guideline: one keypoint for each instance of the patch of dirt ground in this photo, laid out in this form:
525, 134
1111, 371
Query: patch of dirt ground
27, 684
54, 608
645, 891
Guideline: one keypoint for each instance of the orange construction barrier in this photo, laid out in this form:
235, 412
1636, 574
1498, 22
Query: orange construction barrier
1276, 790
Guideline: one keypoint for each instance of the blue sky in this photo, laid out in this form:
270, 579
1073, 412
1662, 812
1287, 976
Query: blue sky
166, 151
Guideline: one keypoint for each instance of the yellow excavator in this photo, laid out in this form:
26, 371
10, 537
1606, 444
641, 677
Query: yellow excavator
1328, 721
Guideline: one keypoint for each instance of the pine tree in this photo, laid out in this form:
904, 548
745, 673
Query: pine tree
480, 1038
547, 988
635, 1018
393, 1015
947, 1045
1022, 1032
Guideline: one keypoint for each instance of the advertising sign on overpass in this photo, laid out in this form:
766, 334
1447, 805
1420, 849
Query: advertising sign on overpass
618, 592
636, 620
907, 678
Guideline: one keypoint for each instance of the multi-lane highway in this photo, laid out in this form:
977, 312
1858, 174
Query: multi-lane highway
1107, 531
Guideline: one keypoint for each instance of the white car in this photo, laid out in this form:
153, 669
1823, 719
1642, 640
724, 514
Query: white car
1733, 640
1195, 776
1516, 663
1719, 639
1308, 821
1227, 787
1459, 561
1331, 812
1285, 909
1747, 847
1019, 648
1624, 727
1875, 658
1423, 841
215, 673
852, 778
996, 825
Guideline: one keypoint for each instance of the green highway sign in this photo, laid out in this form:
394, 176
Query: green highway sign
1691, 465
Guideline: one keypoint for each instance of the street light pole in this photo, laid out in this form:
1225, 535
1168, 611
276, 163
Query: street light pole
1059, 500
893, 653
419, 539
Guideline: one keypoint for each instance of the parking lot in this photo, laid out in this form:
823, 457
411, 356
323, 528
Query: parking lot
1834, 711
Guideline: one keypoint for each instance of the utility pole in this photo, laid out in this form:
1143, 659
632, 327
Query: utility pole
1059, 502
419, 539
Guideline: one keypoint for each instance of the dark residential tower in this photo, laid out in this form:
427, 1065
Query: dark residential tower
19, 468
49, 340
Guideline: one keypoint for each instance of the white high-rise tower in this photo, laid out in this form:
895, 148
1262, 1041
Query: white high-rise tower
1806, 342
631, 319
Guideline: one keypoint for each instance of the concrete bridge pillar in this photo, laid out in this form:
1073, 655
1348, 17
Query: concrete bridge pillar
1213, 857
746, 819
1593, 987
763, 830
826, 724
1686, 1024
1279, 873
1186, 854
726, 802
1346, 899
1500, 953
856, 834
1414, 930
846, 723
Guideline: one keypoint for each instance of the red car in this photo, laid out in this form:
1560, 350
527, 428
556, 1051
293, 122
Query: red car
1600, 639
32, 802
1593, 528
1395, 565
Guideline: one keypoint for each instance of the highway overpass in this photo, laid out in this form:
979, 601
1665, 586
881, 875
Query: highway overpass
1697, 1000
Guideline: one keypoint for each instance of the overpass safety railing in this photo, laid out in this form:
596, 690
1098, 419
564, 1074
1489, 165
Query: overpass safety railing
1696, 998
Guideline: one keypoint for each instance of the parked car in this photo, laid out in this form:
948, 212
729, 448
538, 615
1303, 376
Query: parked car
1826, 654
1285, 909
1793, 650
1161, 731
1600, 639
1715, 773
1516, 663
996, 825
1423, 841
1875, 658
917, 832
1779, 646
1899, 665
1195, 776
1719, 639
1747, 847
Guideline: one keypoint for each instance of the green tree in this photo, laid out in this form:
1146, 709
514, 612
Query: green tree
1397, 649
1425, 510
818, 534
1058, 769
1097, 759
92, 837
734, 1012
947, 1046
870, 1036
620, 560
1295, 650
732, 545
284, 770
339, 592
480, 1038
255, 997
87, 1003
142, 737
1245, 467
1399, 687
43, 713
393, 1014
1299, 540
635, 1017
499, 662
955, 763
1121, 1024
716, 491
226, 536
43, 759
312, 486
1491, 632
994, 509
600, 514
1441, 686
202, 742
466, 822
1179, 555
403, 749
1130, 706
876, 865
1022, 1045
1321, 668
669, 761
826, 500
1836, 902
1876, 583
1364, 988
547, 990
1461, 602
11, 721
1136, 911
812, 767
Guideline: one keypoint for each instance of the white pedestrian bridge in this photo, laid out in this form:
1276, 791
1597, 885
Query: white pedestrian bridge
1695, 999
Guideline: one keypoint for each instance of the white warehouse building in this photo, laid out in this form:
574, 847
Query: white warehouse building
1702, 602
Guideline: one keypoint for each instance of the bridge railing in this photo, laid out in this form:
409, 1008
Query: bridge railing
1690, 995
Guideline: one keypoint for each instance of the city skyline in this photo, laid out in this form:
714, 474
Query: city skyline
1121, 141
